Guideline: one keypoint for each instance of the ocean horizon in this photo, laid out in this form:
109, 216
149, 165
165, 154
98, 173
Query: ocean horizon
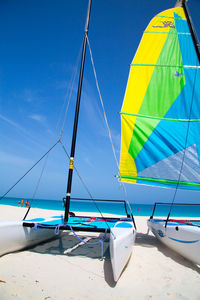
111, 207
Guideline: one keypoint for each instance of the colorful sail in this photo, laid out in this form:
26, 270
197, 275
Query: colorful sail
161, 110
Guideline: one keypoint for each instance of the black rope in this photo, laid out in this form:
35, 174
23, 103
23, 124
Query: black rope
29, 170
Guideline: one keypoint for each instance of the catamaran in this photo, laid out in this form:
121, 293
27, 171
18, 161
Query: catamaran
16, 235
161, 120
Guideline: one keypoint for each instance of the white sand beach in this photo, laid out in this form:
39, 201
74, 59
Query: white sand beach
62, 269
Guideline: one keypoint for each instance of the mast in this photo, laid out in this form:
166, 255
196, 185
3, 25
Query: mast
73, 144
191, 27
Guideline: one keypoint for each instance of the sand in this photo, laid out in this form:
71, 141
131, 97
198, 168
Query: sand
63, 269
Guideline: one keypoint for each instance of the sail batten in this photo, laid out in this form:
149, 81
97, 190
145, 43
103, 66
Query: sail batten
167, 66
160, 114
187, 33
170, 182
163, 119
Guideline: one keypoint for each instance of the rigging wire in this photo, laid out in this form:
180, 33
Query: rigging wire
104, 113
37, 186
106, 121
186, 140
68, 96
77, 172
28, 171
84, 184
70, 93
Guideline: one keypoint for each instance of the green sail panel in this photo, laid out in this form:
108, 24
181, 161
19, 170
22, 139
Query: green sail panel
161, 93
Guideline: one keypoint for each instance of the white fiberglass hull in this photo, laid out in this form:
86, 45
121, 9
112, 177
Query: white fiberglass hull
182, 238
122, 238
14, 236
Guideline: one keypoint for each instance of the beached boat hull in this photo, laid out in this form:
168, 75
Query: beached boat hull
18, 235
14, 236
182, 238
122, 238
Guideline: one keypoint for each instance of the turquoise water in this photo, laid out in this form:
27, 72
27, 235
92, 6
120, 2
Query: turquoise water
110, 207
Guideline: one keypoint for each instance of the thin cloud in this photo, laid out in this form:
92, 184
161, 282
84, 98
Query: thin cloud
14, 124
20, 129
38, 118
95, 114
92, 109
116, 138
88, 162
28, 95
11, 159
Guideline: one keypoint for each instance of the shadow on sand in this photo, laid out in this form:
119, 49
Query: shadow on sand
68, 244
148, 240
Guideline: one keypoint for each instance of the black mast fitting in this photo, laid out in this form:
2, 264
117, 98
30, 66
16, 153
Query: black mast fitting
192, 30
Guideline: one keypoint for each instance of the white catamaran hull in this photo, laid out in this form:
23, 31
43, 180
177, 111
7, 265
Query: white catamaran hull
14, 236
182, 238
121, 245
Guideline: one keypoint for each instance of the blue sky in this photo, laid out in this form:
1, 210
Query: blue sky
40, 45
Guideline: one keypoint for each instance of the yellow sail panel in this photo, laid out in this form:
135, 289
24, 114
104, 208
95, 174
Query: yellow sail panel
150, 48
138, 79
138, 82
148, 53
126, 159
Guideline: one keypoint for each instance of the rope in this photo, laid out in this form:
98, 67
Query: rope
57, 231
36, 226
101, 241
106, 121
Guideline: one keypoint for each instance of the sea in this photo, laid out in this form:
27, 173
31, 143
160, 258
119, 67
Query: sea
111, 207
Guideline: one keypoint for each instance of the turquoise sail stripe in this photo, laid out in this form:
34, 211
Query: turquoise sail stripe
188, 52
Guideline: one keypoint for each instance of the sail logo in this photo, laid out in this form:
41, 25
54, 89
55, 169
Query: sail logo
177, 74
166, 24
